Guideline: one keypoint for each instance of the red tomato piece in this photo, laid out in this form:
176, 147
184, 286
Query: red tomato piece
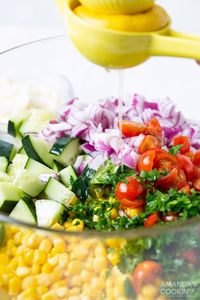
196, 160
146, 161
165, 161
154, 128
170, 217
128, 190
196, 184
184, 141
145, 272
151, 220
148, 142
165, 181
187, 165
185, 189
191, 256
132, 204
130, 129
190, 154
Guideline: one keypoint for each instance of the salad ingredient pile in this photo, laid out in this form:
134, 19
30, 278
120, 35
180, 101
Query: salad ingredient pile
71, 172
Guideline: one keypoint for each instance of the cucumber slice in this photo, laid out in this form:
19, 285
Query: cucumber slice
36, 168
37, 149
2, 233
4, 177
29, 183
48, 212
58, 192
3, 164
57, 167
66, 150
32, 126
68, 176
9, 196
24, 211
7, 150
22, 151
17, 164
16, 120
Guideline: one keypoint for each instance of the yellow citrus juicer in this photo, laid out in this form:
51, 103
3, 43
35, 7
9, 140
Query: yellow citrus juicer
101, 40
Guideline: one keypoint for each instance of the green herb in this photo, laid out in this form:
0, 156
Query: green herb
175, 149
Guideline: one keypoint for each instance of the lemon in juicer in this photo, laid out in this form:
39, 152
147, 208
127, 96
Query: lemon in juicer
117, 41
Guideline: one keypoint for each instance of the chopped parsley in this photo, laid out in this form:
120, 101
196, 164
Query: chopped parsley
175, 149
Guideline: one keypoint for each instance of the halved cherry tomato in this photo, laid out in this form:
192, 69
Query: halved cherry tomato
196, 184
187, 165
165, 181
145, 272
154, 128
184, 141
128, 190
196, 160
136, 203
191, 256
151, 220
130, 129
165, 161
146, 161
148, 142
185, 189
170, 217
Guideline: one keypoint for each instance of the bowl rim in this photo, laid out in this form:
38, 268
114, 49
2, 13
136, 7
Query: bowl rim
136, 233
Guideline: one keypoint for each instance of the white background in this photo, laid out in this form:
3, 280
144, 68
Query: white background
27, 20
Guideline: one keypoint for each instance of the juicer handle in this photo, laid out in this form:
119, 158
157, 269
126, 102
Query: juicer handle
175, 44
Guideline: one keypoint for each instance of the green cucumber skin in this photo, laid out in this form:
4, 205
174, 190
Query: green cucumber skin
8, 205
60, 145
6, 149
27, 145
2, 234
11, 128
31, 204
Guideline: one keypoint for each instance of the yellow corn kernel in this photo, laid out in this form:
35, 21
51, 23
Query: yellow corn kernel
112, 243
21, 261
29, 282
53, 261
133, 212
46, 268
57, 226
61, 292
97, 283
35, 269
75, 267
29, 294
100, 263
18, 238
86, 276
114, 213
100, 251
21, 250
22, 271
76, 281
51, 295
74, 292
63, 260
59, 284
28, 257
149, 291
74, 200
41, 290
114, 257
13, 263
15, 286
46, 245
67, 224
4, 259
57, 249
39, 257
44, 279
33, 241
78, 224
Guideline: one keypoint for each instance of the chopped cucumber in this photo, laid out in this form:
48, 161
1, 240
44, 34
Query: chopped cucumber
36, 168
16, 120
68, 176
48, 212
17, 164
9, 196
58, 192
7, 150
24, 211
32, 126
65, 150
81, 185
29, 183
57, 167
22, 151
4, 177
37, 149
3, 164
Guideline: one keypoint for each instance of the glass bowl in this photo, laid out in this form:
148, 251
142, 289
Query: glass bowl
52, 264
